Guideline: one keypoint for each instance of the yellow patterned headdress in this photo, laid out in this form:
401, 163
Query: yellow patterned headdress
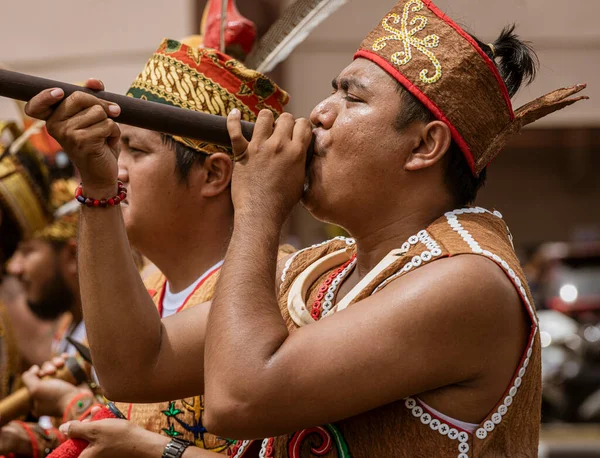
23, 183
444, 67
205, 80
66, 213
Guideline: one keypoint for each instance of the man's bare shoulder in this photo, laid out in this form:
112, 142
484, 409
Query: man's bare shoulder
467, 300
469, 282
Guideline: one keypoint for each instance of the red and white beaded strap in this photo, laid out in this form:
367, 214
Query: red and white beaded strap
324, 300
239, 448
266, 448
502, 409
288, 263
433, 251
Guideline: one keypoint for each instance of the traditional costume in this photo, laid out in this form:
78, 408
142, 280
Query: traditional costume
24, 189
63, 227
441, 65
24, 200
180, 418
207, 80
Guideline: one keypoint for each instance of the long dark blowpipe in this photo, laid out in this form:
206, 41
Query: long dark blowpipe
135, 112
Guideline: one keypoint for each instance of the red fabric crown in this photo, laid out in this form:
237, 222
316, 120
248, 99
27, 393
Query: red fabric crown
441, 65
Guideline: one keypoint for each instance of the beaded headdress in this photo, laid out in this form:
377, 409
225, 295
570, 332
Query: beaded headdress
443, 66
21, 198
65, 209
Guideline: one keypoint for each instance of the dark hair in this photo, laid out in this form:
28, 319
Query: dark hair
517, 64
185, 157
10, 235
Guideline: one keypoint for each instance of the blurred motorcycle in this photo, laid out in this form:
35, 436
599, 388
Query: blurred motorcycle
566, 285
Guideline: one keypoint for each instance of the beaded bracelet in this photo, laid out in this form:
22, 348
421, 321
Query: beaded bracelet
89, 202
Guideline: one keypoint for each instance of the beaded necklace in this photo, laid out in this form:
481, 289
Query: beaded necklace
327, 292
266, 448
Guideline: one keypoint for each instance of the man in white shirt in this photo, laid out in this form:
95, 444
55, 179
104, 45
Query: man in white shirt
178, 213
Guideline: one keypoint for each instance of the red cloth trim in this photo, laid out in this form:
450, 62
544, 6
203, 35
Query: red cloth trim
72, 403
35, 453
530, 341
414, 90
164, 288
434, 9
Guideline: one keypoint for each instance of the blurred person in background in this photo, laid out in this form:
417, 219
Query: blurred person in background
24, 196
25, 338
46, 267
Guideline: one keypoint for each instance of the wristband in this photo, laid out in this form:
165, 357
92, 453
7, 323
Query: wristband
113, 201
175, 448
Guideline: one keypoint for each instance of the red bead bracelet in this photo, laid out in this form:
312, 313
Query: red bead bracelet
88, 201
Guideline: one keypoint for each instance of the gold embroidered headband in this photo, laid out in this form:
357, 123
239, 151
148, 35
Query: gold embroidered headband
443, 66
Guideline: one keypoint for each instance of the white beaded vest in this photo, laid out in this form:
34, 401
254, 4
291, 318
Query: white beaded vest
407, 427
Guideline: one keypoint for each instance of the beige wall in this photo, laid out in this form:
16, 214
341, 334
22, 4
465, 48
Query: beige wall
72, 40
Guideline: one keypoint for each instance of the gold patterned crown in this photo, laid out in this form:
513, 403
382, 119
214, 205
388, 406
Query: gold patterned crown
205, 80
443, 66
23, 182
66, 213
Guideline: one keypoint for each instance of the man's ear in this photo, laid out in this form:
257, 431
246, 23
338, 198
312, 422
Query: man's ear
435, 139
216, 174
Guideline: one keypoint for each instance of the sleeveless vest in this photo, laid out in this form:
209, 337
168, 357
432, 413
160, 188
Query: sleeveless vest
407, 428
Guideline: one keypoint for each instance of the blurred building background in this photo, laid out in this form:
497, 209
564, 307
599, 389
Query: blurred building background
546, 183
